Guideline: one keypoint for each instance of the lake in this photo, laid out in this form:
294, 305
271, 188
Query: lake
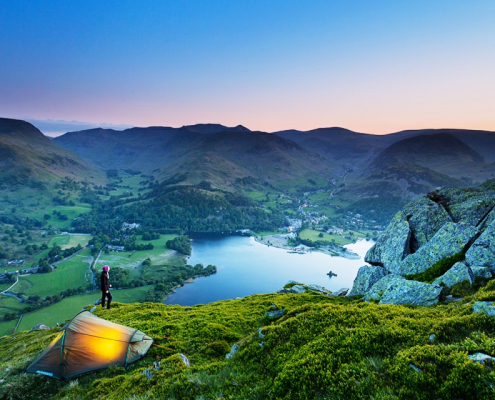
246, 267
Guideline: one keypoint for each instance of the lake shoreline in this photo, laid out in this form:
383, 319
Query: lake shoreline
279, 241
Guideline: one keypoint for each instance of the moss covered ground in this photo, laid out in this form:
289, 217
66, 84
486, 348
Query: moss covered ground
321, 348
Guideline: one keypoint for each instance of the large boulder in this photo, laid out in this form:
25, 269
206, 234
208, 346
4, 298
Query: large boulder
482, 251
451, 239
366, 277
392, 246
484, 307
376, 292
468, 205
425, 218
459, 272
411, 292
481, 272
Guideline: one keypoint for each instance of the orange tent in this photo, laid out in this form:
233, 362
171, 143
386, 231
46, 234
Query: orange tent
88, 343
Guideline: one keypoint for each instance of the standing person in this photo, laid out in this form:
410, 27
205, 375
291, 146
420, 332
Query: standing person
105, 287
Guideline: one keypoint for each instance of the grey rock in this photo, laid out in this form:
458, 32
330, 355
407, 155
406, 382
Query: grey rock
432, 338
458, 273
185, 360
481, 272
340, 292
449, 240
366, 277
411, 292
298, 289
487, 220
39, 326
469, 205
425, 218
148, 373
233, 350
481, 358
260, 335
376, 292
484, 307
414, 368
392, 245
482, 251
275, 314
319, 289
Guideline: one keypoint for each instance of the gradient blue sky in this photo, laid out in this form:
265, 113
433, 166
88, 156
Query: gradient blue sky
370, 66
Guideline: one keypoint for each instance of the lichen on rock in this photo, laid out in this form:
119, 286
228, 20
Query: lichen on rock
366, 277
411, 292
451, 239
459, 272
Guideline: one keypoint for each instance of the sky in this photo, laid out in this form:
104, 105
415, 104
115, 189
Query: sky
369, 66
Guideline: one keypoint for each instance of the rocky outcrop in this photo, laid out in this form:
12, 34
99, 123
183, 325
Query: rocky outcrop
366, 277
459, 272
451, 239
432, 228
392, 246
319, 289
376, 292
425, 218
481, 358
468, 205
481, 272
484, 307
482, 251
411, 292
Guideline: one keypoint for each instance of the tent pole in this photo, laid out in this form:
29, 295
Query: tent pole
62, 356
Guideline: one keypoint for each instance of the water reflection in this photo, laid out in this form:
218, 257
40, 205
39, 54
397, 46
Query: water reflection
246, 267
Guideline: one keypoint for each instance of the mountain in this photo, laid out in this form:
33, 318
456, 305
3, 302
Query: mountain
418, 164
339, 144
482, 142
201, 153
28, 158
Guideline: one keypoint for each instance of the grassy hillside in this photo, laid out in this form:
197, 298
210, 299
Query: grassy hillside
322, 348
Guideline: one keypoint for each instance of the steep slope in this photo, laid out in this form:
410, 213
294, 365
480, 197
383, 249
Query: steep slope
28, 158
483, 142
223, 157
320, 348
339, 144
200, 153
418, 164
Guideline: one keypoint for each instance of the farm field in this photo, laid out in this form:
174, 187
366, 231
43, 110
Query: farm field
70, 306
67, 241
70, 274
133, 259
71, 212
311, 234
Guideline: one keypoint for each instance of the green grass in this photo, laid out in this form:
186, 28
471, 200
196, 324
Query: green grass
312, 234
9, 305
132, 260
321, 348
7, 327
70, 306
66, 241
70, 274
71, 212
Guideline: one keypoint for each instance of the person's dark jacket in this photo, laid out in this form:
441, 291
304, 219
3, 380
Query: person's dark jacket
105, 284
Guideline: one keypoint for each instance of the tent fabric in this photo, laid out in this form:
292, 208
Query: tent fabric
88, 343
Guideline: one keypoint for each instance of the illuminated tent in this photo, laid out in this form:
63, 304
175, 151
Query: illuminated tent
88, 343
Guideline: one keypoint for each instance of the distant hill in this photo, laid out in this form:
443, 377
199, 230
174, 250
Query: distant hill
200, 153
28, 158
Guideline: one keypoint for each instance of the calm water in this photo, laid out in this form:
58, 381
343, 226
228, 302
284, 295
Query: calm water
246, 267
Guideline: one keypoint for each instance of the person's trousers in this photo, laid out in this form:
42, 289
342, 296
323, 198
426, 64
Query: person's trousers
108, 296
